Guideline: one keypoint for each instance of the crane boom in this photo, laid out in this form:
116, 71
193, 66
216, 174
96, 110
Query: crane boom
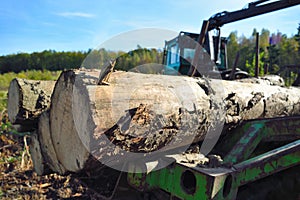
254, 9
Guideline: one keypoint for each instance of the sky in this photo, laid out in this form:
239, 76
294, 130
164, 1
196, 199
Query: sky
79, 25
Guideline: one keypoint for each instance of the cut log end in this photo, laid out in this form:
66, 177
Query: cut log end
27, 99
70, 151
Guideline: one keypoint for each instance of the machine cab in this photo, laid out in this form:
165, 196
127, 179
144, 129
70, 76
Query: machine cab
179, 54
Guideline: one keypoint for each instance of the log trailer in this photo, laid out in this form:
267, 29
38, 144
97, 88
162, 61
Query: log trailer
254, 150
248, 156
182, 56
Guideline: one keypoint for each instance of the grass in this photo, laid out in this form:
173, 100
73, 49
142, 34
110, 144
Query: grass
6, 78
3, 100
10, 159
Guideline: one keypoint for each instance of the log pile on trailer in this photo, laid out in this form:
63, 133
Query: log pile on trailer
82, 119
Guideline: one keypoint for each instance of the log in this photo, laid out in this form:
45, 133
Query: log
145, 113
47, 149
71, 153
27, 99
267, 79
36, 154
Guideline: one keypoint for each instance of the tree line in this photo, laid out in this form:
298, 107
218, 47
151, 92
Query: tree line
53, 61
46, 60
277, 50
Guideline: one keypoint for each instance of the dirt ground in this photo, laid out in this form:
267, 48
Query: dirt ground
19, 181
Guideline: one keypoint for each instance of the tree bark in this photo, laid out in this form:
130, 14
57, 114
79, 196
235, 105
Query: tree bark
267, 79
36, 154
47, 149
144, 113
27, 99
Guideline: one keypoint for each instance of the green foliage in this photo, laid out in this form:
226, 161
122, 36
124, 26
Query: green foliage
40, 75
140, 60
96, 59
10, 159
250, 65
232, 48
46, 60
264, 39
3, 100
297, 37
1, 193
6, 78
5, 127
286, 51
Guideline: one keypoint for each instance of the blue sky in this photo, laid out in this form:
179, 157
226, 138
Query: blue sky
37, 25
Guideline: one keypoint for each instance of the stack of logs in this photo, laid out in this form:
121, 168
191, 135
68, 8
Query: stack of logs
74, 116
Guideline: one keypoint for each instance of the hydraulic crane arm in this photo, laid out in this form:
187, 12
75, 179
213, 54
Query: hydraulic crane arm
254, 9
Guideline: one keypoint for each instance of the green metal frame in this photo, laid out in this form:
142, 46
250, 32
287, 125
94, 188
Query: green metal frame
190, 182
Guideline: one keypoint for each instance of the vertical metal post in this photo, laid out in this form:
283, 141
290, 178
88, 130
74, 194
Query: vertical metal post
200, 40
257, 55
233, 70
225, 54
266, 69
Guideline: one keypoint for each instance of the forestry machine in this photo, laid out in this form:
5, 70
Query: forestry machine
182, 55
261, 156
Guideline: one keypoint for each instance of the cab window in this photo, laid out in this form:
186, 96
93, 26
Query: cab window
188, 54
173, 55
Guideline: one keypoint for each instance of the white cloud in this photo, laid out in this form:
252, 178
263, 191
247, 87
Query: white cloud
76, 14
